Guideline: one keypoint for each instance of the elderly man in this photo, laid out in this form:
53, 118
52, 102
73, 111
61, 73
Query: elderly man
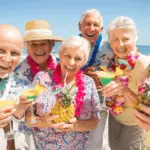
11, 43
91, 26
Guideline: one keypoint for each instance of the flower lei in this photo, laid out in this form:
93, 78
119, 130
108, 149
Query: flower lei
34, 67
116, 105
80, 84
144, 93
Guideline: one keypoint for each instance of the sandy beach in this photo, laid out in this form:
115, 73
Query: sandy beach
21, 145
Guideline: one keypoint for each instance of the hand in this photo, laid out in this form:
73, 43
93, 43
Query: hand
143, 120
113, 88
65, 127
90, 71
24, 103
46, 121
6, 115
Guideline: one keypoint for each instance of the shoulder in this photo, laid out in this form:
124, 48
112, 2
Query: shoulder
143, 62
88, 80
22, 65
105, 49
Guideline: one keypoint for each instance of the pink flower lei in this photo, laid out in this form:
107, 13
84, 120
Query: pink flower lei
115, 105
80, 84
34, 67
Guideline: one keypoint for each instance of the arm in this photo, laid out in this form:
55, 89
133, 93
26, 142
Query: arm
21, 108
143, 120
90, 71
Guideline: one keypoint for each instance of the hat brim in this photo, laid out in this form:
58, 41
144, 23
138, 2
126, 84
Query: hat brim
33, 37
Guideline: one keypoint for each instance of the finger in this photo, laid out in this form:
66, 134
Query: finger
73, 120
5, 120
58, 125
91, 73
110, 93
90, 69
22, 97
52, 118
6, 114
141, 116
3, 125
6, 109
145, 108
142, 124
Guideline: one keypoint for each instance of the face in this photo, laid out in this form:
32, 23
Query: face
122, 42
71, 61
91, 28
10, 52
39, 50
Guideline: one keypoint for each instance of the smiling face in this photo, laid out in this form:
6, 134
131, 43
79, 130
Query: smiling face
122, 42
91, 28
39, 50
71, 61
10, 50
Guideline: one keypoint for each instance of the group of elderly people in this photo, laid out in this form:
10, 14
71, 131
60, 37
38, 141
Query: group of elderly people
79, 58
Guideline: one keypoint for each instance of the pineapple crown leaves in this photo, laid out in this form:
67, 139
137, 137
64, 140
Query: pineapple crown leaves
68, 93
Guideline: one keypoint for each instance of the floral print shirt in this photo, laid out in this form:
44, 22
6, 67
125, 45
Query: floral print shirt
48, 138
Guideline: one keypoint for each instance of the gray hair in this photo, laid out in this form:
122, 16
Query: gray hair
124, 23
92, 12
76, 42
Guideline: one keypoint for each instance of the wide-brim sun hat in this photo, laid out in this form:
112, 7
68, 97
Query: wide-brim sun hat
39, 30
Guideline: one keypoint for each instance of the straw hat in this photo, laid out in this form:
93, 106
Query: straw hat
39, 30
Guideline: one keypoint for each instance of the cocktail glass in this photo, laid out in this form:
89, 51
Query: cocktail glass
12, 133
31, 95
105, 78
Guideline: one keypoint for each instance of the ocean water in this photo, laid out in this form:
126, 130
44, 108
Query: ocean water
142, 49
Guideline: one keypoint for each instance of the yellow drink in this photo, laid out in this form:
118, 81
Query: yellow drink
105, 76
5, 103
30, 93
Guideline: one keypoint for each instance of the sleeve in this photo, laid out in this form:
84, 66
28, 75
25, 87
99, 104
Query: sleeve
95, 102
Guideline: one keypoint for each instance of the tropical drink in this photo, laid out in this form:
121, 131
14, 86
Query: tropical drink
105, 76
31, 94
5, 103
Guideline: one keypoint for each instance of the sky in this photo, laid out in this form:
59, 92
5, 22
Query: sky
64, 15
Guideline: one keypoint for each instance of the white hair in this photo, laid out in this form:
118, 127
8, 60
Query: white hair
124, 23
76, 42
92, 12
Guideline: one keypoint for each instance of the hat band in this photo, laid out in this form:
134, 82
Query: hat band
39, 31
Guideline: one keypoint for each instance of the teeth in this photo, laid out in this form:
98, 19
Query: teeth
39, 53
5, 68
91, 35
121, 50
70, 68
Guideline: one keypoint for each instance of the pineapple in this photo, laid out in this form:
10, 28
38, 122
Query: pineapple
64, 106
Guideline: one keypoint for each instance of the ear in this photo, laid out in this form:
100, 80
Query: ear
79, 25
102, 28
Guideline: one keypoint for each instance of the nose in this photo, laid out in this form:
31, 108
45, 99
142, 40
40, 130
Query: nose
121, 43
7, 58
72, 62
92, 27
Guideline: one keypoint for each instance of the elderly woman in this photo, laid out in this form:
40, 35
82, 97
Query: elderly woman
73, 55
39, 43
124, 133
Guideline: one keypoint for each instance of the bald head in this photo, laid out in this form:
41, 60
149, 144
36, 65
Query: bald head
11, 44
8, 32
